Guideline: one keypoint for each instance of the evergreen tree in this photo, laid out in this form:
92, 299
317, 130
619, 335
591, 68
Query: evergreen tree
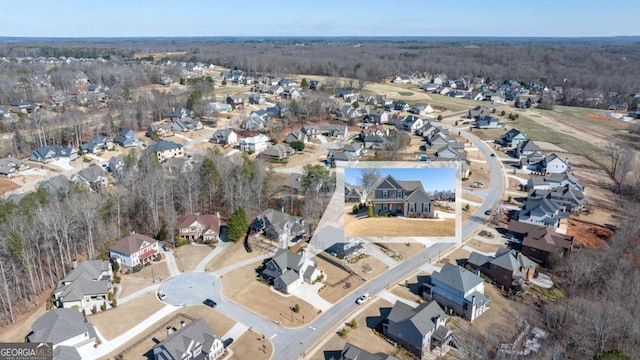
237, 227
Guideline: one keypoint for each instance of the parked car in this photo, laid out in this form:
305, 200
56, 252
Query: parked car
166, 247
227, 342
210, 303
362, 299
488, 212
161, 295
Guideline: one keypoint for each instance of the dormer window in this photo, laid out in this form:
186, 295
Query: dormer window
385, 194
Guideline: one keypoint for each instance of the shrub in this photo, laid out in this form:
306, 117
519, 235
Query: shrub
353, 324
110, 296
115, 267
297, 145
440, 118
94, 310
296, 308
137, 268
370, 211
116, 279
103, 307
114, 302
355, 209
502, 113
343, 332
84, 313
509, 199
180, 241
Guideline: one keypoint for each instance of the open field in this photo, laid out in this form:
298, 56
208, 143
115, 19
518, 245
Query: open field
451, 103
398, 227
362, 336
251, 345
218, 322
188, 256
149, 275
241, 285
338, 282
114, 322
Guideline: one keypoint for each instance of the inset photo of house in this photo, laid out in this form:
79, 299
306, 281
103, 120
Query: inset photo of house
400, 202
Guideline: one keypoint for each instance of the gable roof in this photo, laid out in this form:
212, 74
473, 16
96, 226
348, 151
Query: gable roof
164, 145
457, 277
60, 324
84, 280
511, 260
208, 222
92, 173
131, 243
352, 352
58, 183
177, 344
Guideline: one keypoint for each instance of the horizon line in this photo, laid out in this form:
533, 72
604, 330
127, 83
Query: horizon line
328, 37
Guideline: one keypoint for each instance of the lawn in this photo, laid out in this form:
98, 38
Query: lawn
188, 256
241, 285
115, 322
251, 345
405, 250
235, 253
398, 227
339, 283
482, 246
7, 185
157, 332
148, 276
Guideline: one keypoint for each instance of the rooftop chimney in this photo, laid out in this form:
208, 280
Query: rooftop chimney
169, 331
181, 324
473, 299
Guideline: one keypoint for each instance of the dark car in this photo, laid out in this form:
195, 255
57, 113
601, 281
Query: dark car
227, 342
493, 155
210, 302
488, 212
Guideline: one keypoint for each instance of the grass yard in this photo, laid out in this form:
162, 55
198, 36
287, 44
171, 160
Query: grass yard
251, 345
406, 250
218, 322
398, 227
369, 267
235, 253
338, 282
454, 256
133, 282
22, 327
115, 322
188, 256
361, 336
242, 286
483, 246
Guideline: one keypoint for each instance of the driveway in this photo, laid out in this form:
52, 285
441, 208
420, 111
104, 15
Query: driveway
189, 289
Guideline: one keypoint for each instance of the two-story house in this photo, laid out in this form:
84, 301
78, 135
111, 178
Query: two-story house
255, 144
127, 138
67, 331
507, 268
512, 138
224, 136
88, 284
167, 149
544, 212
51, 153
458, 289
287, 270
540, 243
11, 167
93, 177
193, 341
527, 148
133, 250
279, 225
204, 227
96, 144
402, 198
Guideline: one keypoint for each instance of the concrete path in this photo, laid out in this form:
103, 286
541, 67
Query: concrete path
232, 152
235, 332
373, 250
171, 263
520, 180
202, 265
478, 161
109, 346
392, 298
309, 293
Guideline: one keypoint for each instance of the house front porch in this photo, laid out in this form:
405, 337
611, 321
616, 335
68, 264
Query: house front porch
388, 207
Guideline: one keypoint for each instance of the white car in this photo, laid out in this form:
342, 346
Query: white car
362, 299
161, 295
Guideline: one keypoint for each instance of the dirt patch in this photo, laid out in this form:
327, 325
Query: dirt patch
218, 322
188, 256
588, 235
397, 227
338, 282
454, 256
241, 285
405, 250
7, 185
362, 336
251, 345
148, 276
482, 246
115, 322
602, 118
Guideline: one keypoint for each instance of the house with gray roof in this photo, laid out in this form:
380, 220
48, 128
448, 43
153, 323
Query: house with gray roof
116, 165
180, 113
553, 181
565, 196
88, 284
340, 131
193, 341
59, 185
159, 131
512, 138
10, 167
341, 158
66, 329
457, 289
311, 131
287, 270
295, 136
404, 198
508, 268
167, 149
279, 226
278, 152
93, 177
127, 138
47, 154
96, 144
224, 136
186, 124
375, 141
527, 148
352, 352
216, 107
544, 212
420, 330
488, 122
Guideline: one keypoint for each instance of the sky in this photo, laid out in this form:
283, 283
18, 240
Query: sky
141, 18
433, 179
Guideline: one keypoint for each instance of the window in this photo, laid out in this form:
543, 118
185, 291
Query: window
412, 207
385, 194
400, 194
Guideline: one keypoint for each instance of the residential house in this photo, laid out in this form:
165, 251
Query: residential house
205, 227
401, 79
116, 165
438, 139
429, 87
311, 131
93, 177
533, 162
186, 124
347, 112
553, 164
236, 102
488, 122
167, 149
365, 98
257, 121
381, 100
193, 341
479, 112
341, 158
374, 142
458, 290
59, 185
287, 270
544, 212
86, 285
508, 268
275, 90
295, 136
133, 250
541, 243
159, 131
48, 154
67, 330
257, 99
177, 165
618, 105
400, 106
340, 131
224, 136
346, 250
421, 109
412, 123
352, 352
355, 148
21, 106
406, 198
512, 138
286, 82
293, 185
428, 129
420, 330
451, 151
314, 85
278, 152
127, 138
279, 225
255, 144
550, 182
216, 107
377, 117
355, 194
571, 199
373, 130
180, 112
97, 144
291, 93
527, 148
279, 111
10, 167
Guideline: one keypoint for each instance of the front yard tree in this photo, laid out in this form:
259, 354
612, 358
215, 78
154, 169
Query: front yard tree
315, 175
237, 225
297, 145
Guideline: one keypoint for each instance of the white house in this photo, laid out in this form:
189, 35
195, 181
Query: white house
133, 250
255, 144
88, 284
66, 329
288, 270
196, 340
555, 165
224, 136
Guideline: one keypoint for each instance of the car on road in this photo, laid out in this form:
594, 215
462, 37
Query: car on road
227, 342
488, 212
362, 299
210, 303
493, 155
161, 295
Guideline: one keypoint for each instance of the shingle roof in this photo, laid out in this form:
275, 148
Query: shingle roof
208, 222
457, 277
164, 145
64, 352
197, 331
131, 243
84, 280
59, 325
92, 173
